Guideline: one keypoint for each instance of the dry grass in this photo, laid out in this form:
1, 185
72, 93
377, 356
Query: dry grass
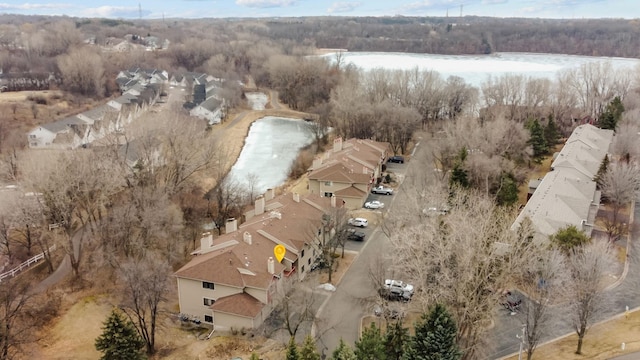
343, 265
603, 341
408, 323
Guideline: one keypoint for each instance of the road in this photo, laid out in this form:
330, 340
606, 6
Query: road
626, 294
342, 313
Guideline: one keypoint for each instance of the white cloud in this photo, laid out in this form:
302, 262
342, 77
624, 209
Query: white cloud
494, 2
28, 6
265, 3
114, 12
340, 7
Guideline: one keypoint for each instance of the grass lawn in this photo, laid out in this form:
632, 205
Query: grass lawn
603, 341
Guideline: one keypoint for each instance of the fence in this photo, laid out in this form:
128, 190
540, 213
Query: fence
13, 272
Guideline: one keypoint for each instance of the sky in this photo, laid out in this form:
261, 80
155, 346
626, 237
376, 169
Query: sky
155, 9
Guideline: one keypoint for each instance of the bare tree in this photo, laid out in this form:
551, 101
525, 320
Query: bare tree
588, 298
82, 72
15, 298
619, 187
294, 310
146, 283
545, 284
227, 200
461, 259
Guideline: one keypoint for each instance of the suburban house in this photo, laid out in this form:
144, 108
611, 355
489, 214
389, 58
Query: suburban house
140, 91
207, 103
349, 170
234, 280
567, 195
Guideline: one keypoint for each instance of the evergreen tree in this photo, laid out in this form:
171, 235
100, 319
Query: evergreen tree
611, 115
292, 350
395, 340
254, 356
371, 344
343, 352
119, 339
507, 193
308, 350
602, 170
568, 238
551, 133
537, 139
459, 177
435, 337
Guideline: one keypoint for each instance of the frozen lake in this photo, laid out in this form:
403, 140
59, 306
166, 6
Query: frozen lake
475, 69
269, 149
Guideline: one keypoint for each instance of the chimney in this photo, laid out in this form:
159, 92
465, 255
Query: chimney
247, 237
365, 170
333, 201
231, 225
270, 194
271, 266
337, 144
296, 197
259, 205
206, 241
317, 162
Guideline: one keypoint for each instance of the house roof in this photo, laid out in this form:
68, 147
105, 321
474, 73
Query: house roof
350, 192
63, 124
235, 262
584, 150
241, 304
338, 172
211, 104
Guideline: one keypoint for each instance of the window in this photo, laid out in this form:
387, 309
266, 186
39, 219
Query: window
34, 144
302, 269
309, 261
208, 319
208, 302
207, 285
328, 194
328, 183
32, 136
302, 253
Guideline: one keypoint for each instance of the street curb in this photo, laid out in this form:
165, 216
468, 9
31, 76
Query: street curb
608, 288
624, 313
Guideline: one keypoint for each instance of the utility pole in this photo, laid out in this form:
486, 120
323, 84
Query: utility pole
521, 337
140, 11
461, 5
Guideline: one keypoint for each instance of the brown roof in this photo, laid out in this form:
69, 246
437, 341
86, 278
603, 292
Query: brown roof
351, 192
239, 264
338, 172
241, 304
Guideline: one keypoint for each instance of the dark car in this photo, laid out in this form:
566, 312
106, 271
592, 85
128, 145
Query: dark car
396, 159
355, 235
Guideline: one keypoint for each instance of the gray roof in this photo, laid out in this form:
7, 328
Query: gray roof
584, 150
211, 104
63, 124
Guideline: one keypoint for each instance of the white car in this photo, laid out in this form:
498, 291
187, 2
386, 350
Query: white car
398, 285
359, 222
382, 190
375, 204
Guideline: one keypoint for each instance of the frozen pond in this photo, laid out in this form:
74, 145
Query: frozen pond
256, 100
269, 149
475, 69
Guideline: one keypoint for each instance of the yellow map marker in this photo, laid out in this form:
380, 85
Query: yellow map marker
279, 251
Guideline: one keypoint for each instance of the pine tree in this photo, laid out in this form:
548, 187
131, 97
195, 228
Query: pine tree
119, 339
611, 115
292, 350
371, 344
395, 340
343, 352
602, 170
537, 139
308, 350
507, 193
254, 356
435, 337
551, 133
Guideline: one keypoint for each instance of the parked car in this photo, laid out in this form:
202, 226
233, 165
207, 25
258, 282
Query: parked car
375, 204
397, 284
396, 159
352, 234
382, 190
359, 222
395, 294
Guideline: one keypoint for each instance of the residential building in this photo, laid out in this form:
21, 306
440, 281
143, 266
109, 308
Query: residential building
348, 170
567, 195
234, 280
